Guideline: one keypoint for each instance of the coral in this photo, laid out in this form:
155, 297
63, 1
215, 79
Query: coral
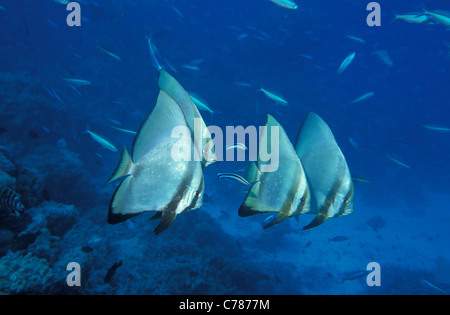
55, 217
7, 172
23, 274
6, 238
60, 218
59, 173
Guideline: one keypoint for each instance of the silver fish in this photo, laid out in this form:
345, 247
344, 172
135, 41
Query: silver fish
347, 61
326, 169
236, 177
153, 180
274, 97
397, 161
285, 4
437, 128
363, 97
100, 139
284, 191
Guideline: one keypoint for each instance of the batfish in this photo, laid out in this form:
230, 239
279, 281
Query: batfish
285, 190
326, 170
153, 179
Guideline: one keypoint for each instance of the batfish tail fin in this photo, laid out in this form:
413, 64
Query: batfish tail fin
167, 218
124, 166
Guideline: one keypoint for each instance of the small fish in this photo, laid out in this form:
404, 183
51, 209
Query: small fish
78, 82
114, 121
52, 93
237, 177
437, 128
153, 51
306, 56
442, 17
355, 275
109, 53
53, 24
189, 67
176, 10
435, 287
111, 272
354, 144
125, 130
308, 244
347, 61
105, 143
384, 57
269, 218
196, 62
275, 98
360, 179
10, 204
338, 239
413, 18
244, 84
363, 97
356, 39
200, 103
242, 36
76, 55
236, 146
73, 88
285, 4
397, 161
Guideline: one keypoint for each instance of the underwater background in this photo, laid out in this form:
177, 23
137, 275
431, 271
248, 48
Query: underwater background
224, 51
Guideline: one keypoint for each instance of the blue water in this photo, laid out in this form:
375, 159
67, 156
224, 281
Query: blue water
61, 172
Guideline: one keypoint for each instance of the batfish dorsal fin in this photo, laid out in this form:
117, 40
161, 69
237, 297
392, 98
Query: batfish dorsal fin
158, 126
124, 167
314, 134
167, 218
203, 142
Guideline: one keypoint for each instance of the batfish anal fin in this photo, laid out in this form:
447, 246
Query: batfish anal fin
246, 211
280, 217
318, 220
167, 218
156, 216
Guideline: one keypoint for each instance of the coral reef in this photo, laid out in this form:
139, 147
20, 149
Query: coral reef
57, 174
22, 273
